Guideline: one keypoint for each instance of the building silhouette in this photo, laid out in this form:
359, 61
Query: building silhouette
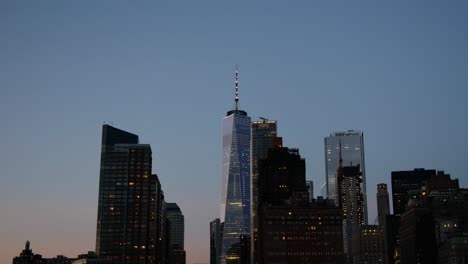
352, 152
383, 204
131, 207
291, 229
310, 190
28, 257
235, 189
216, 239
264, 135
176, 227
403, 182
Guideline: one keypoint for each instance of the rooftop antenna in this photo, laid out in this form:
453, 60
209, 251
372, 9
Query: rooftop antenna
237, 89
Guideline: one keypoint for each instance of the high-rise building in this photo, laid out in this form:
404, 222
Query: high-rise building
383, 204
392, 238
368, 245
403, 182
351, 203
216, 239
263, 138
130, 201
291, 229
310, 189
235, 189
28, 257
176, 226
352, 154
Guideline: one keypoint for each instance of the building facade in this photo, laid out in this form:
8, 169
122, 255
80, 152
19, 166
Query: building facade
352, 153
403, 182
129, 223
235, 189
383, 203
216, 239
264, 135
176, 227
368, 245
310, 189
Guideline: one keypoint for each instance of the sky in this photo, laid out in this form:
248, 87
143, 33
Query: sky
164, 70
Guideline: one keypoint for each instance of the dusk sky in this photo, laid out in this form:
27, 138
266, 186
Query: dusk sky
164, 70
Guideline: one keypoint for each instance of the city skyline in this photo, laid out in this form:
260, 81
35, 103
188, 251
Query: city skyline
399, 83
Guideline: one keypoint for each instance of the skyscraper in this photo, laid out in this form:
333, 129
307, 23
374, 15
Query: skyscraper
352, 154
130, 201
310, 189
291, 229
176, 234
403, 182
383, 204
235, 189
216, 238
263, 138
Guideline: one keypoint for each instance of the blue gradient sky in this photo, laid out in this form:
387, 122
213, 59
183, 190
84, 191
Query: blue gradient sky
398, 70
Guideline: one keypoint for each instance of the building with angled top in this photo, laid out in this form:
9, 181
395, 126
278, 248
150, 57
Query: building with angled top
235, 182
176, 227
352, 153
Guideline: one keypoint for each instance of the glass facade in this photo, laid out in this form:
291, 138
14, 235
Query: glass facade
352, 149
235, 189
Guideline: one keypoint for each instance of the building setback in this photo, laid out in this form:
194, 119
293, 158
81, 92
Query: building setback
130, 223
383, 204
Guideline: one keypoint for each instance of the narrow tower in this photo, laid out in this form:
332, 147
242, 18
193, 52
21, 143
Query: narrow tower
235, 189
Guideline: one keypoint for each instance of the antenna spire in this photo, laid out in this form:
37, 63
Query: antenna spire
237, 89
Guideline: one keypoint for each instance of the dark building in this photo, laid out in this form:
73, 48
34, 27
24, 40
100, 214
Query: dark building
383, 204
301, 233
28, 257
216, 238
392, 238
263, 138
176, 226
291, 229
368, 245
131, 203
435, 222
403, 182
60, 260
351, 203
417, 237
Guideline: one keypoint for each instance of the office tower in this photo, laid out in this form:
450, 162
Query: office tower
435, 219
216, 238
417, 236
392, 238
129, 205
28, 257
350, 201
352, 153
263, 138
291, 229
383, 204
323, 190
403, 182
368, 245
175, 220
235, 189
310, 189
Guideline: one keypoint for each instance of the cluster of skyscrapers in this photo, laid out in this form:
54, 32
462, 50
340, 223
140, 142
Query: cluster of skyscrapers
269, 215
268, 212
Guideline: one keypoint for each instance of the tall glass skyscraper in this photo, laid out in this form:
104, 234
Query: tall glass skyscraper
235, 189
352, 152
